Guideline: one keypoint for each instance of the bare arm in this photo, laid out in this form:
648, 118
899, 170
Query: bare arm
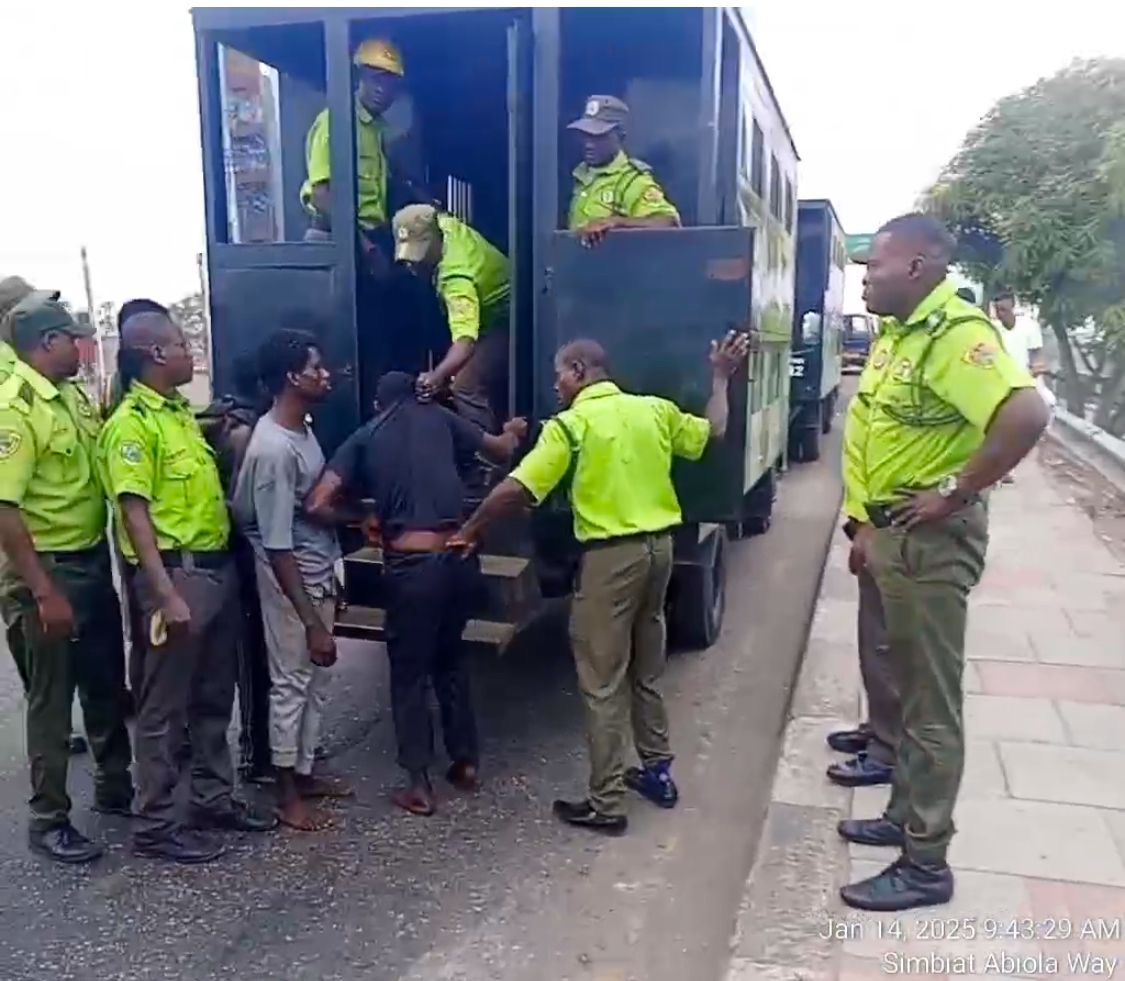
139, 528
455, 359
718, 407
726, 356
1013, 432
328, 504
507, 496
500, 449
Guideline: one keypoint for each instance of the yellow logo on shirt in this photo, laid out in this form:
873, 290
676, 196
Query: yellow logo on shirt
132, 452
903, 371
880, 359
652, 194
9, 442
982, 355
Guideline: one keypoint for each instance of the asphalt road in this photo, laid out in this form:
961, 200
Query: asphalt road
491, 887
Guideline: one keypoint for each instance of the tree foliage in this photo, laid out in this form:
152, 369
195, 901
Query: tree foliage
1036, 196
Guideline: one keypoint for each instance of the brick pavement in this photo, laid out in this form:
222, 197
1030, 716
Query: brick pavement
1039, 855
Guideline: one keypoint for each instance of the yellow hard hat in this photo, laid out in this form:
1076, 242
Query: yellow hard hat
378, 52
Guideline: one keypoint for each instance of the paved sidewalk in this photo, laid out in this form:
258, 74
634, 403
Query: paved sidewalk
1039, 855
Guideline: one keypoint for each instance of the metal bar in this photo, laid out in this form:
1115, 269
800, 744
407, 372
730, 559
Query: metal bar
709, 89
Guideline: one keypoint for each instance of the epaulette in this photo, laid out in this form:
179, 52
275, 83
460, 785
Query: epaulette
16, 393
640, 165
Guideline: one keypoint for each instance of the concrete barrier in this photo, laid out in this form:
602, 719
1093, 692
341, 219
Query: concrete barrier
1095, 446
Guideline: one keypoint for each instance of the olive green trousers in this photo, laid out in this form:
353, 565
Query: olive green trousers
924, 578
617, 631
93, 661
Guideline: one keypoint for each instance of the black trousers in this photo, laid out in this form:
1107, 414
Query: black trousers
429, 598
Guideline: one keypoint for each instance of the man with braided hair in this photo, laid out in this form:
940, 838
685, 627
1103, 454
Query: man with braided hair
940, 415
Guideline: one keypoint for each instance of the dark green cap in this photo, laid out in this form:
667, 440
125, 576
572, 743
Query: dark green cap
39, 313
603, 113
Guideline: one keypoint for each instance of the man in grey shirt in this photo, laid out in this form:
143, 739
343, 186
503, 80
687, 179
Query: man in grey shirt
295, 561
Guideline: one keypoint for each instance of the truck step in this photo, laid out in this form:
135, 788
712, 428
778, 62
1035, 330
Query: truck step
368, 623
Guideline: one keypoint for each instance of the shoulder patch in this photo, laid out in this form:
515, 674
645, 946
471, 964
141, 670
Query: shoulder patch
132, 452
880, 359
10, 441
606, 195
653, 194
982, 355
461, 306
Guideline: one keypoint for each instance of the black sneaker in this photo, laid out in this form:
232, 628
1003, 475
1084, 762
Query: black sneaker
77, 744
64, 843
236, 816
850, 740
872, 831
582, 815
904, 884
860, 771
177, 846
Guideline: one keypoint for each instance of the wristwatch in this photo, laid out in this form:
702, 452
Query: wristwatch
948, 486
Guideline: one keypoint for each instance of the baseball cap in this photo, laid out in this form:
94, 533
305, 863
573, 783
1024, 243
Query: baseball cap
415, 227
378, 52
38, 314
602, 114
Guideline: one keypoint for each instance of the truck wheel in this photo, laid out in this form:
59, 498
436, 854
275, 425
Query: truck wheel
827, 411
810, 445
700, 600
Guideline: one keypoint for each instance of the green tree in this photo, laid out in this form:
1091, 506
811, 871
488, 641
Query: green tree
1036, 197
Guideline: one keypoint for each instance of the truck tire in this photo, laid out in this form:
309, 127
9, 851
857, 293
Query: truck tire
827, 412
699, 604
809, 445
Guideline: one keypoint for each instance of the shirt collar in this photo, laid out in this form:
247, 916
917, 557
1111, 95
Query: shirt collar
153, 399
598, 390
938, 297
364, 116
40, 384
584, 173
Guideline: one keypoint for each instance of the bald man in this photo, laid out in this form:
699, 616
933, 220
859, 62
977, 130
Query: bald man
174, 528
617, 450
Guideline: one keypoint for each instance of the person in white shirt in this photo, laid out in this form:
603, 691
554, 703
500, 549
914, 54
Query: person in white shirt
1023, 340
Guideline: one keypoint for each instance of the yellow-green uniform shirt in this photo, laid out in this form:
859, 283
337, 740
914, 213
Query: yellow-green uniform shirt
925, 398
48, 437
370, 165
624, 444
153, 447
623, 188
472, 280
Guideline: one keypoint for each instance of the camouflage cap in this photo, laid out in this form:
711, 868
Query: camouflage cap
415, 227
40, 313
603, 114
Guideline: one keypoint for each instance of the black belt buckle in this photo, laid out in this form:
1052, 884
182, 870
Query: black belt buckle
880, 515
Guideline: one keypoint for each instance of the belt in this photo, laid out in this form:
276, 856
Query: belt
188, 560
636, 536
880, 514
78, 554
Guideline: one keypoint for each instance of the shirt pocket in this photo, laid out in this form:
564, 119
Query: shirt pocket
62, 456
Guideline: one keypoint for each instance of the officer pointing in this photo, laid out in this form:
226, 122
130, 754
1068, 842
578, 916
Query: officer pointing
940, 415
172, 512
56, 588
611, 189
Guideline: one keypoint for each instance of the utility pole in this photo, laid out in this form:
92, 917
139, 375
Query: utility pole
99, 347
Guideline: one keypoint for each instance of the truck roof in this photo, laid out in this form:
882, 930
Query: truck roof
235, 18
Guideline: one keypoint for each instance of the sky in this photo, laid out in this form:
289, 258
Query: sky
101, 121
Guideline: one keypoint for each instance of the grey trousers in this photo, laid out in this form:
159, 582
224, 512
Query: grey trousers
884, 707
187, 682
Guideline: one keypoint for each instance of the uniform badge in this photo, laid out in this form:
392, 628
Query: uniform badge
653, 194
982, 355
461, 306
903, 371
593, 107
607, 196
9, 442
84, 408
132, 452
880, 359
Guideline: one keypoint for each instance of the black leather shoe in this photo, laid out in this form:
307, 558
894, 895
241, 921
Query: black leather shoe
860, 771
236, 817
64, 843
901, 885
581, 814
179, 846
873, 831
77, 744
850, 740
